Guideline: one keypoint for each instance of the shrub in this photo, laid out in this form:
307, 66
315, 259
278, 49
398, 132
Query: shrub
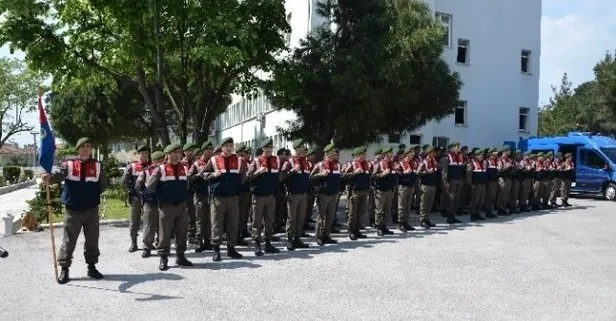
116, 191
37, 205
29, 174
11, 173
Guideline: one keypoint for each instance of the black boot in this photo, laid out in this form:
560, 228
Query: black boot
359, 235
402, 227
182, 261
380, 230
258, 251
451, 219
232, 253
352, 236
216, 256
163, 265
93, 272
201, 247
133, 245
409, 227
63, 278
290, 244
269, 248
299, 244
425, 224
146, 253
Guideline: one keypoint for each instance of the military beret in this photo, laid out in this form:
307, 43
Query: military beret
143, 148
172, 147
387, 150
416, 147
378, 151
464, 148
207, 145
329, 147
454, 144
247, 149
268, 142
568, 155
401, 146
240, 147
218, 148
493, 150
476, 151
82, 141
226, 140
189, 147
430, 149
259, 151
359, 150
298, 143
424, 147
310, 152
281, 151
158, 155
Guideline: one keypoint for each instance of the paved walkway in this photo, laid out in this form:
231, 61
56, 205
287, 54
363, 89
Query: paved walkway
15, 203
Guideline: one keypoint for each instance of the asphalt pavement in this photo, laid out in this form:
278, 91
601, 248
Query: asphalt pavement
558, 265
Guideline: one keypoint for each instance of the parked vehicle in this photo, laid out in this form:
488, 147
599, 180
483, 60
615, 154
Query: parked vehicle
594, 156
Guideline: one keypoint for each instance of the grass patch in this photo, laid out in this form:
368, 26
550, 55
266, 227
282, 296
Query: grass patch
114, 210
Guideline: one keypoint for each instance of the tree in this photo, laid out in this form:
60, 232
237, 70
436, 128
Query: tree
184, 57
378, 71
18, 93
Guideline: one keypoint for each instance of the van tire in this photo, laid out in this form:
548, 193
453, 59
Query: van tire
609, 192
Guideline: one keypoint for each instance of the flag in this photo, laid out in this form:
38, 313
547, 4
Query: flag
47, 147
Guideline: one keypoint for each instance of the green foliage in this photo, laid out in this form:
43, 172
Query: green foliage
28, 174
11, 173
591, 106
116, 191
111, 168
19, 160
380, 71
37, 205
18, 88
175, 62
67, 150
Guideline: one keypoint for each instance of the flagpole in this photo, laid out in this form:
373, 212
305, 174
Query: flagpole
51, 228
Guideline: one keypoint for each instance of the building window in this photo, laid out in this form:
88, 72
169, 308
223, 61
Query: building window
445, 21
523, 122
393, 138
463, 47
287, 36
460, 114
440, 142
525, 61
415, 139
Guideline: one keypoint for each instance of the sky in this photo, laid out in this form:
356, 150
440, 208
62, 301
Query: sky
575, 35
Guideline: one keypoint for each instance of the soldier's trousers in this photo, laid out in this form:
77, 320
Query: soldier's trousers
74, 221
281, 208
383, 201
371, 205
504, 188
427, 200
394, 204
565, 190
525, 189
405, 202
537, 192
327, 211
296, 204
136, 210
244, 211
547, 190
173, 221
310, 196
556, 190
190, 210
263, 211
203, 218
358, 207
465, 195
490, 199
514, 193
453, 196
478, 193
150, 224
225, 214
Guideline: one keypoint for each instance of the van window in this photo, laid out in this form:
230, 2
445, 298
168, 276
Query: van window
610, 152
591, 159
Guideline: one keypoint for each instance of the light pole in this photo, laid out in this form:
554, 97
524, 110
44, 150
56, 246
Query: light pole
34, 134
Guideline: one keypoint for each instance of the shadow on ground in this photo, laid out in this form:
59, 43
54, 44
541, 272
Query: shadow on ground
130, 280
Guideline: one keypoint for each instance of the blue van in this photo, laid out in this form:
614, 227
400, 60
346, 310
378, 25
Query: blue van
594, 156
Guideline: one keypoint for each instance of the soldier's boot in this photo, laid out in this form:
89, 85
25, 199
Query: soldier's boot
93, 272
298, 244
290, 243
181, 260
164, 263
63, 278
425, 224
216, 256
380, 230
491, 215
409, 227
320, 241
245, 234
479, 217
359, 235
451, 219
258, 251
304, 234
146, 253
133, 245
232, 253
402, 227
201, 247
269, 248
352, 236
242, 242
566, 204
329, 240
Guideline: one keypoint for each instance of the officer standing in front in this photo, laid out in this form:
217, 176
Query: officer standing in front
202, 197
327, 179
169, 181
129, 180
84, 181
225, 172
150, 205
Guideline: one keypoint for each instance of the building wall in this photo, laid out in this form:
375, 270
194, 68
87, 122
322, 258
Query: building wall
494, 86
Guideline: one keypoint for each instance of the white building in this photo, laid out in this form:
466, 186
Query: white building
494, 45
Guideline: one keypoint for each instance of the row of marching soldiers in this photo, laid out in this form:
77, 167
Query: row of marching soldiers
219, 190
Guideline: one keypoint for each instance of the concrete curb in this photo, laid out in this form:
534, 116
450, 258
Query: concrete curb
16, 187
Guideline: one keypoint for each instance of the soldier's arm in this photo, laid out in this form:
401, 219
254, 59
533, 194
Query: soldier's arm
421, 169
444, 166
126, 176
140, 184
208, 172
316, 172
152, 183
251, 170
102, 180
59, 174
285, 171
243, 172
